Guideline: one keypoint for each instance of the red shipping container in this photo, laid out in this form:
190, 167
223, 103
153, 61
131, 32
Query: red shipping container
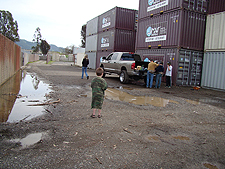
117, 40
119, 18
216, 6
152, 7
180, 28
187, 64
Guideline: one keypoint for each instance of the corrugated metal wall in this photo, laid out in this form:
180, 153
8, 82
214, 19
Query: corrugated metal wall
216, 6
92, 27
150, 7
91, 43
213, 75
10, 58
215, 32
180, 28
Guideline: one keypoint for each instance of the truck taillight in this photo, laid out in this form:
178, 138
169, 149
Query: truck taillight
133, 66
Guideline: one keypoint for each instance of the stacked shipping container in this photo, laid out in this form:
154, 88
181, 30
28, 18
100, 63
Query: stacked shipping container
213, 75
174, 30
91, 41
114, 30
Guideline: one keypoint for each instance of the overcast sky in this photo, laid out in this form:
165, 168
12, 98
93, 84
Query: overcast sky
60, 21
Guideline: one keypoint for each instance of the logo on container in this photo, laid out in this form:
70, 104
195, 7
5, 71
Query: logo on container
104, 42
156, 32
149, 31
150, 2
155, 4
106, 22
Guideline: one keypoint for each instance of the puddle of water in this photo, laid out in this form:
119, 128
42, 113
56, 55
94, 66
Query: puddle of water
153, 138
29, 140
138, 100
204, 100
127, 88
193, 102
210, 166
181, 138
17, 93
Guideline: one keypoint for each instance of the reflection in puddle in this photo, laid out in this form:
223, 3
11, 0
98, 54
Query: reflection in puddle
210, 166
31, 139
138, 100
17, 93
127, 88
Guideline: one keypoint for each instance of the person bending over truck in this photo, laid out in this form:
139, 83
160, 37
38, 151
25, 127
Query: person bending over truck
159, 72
98, 85
150, 74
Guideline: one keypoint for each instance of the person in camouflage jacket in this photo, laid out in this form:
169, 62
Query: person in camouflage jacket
98, 85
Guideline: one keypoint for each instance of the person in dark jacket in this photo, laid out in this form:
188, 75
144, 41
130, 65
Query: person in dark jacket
85, 63
159, 72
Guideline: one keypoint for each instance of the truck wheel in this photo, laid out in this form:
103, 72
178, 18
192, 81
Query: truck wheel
124, 77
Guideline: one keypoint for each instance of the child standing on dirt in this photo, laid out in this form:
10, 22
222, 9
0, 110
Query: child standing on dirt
98, 85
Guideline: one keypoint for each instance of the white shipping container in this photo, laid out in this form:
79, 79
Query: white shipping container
92, 27
78, 59
213, 72
77, 50
215, 32
91, 43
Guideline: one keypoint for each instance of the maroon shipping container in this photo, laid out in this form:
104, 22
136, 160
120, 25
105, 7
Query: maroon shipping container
120, 18
117, 40
216, 6
187, 64
180, 28
152, 7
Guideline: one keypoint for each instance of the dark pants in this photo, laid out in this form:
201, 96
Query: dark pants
168, 81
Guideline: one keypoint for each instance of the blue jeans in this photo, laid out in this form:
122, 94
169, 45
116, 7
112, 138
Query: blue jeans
158, 80
149, 78
84, 69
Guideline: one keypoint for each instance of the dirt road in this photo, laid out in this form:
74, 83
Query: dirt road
169, 128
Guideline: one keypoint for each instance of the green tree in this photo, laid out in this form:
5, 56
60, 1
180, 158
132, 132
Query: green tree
69, 49
8, 27
45, 47
37, 38
83, 36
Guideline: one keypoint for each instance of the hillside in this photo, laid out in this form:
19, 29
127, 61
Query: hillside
24, 44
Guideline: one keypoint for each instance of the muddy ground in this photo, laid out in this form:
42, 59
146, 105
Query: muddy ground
189, 132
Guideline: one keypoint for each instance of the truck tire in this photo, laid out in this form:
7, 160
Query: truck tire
124, 78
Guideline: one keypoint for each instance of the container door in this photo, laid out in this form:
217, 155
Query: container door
183, 68
196, 68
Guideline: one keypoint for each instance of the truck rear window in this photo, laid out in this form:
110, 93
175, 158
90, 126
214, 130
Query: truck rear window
133, 57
